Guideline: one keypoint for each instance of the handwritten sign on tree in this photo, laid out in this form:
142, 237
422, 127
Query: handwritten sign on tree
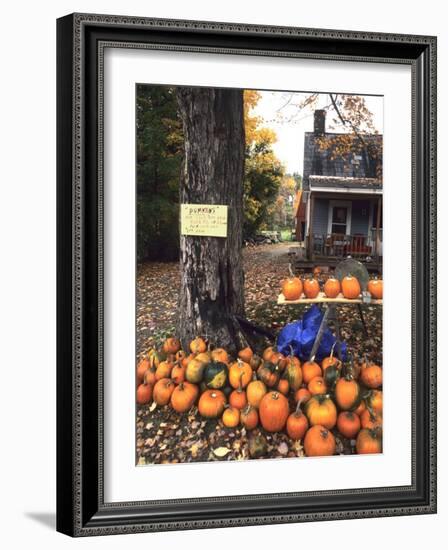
203, 220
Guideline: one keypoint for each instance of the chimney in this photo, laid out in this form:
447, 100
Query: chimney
319, 121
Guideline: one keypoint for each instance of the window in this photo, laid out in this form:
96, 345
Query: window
339, 220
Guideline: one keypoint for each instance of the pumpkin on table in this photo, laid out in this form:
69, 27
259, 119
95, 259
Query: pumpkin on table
311, 288
375, 287
332, 287
371, 420
292, 288
351, 288
164, 369
283, 386
303, 395
274, 411
246, 354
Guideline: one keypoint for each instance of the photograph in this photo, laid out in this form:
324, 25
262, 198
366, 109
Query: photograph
259, 274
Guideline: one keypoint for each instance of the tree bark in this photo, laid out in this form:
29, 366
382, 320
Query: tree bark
212, 278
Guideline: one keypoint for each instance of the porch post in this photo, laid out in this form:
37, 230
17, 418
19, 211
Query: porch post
378, 218
310, 229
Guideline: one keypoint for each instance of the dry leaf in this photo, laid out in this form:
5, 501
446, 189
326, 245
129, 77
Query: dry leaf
220, 452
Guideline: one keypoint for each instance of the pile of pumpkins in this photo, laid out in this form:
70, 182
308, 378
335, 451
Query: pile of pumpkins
294, 287
309, 401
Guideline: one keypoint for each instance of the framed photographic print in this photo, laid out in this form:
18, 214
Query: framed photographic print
246, 274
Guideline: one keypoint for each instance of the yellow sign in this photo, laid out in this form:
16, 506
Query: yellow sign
203, 220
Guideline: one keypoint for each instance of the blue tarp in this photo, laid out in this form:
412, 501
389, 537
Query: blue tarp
301, 335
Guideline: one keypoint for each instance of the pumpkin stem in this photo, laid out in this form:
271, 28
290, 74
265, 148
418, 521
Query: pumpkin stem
298, 411
290, 270
332, 350
274, 395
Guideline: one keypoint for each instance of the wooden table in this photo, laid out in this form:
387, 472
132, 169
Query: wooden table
322, 299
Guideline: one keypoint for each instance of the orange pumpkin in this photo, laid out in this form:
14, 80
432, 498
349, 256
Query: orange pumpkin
211, 403
142, 367
249, 417
238, 398
297, 424
144, 394
231, 417
269, 374
332, 287
360, 408
331, 361
163, 390
375, 287
369, 441
164, 370
351, 288
371, 421
311, 288
178, 374
310, 369
348, 424
303, 395
293, 373
150, 376
283, 386
268, 352
347, 393
319, 442
246, 354
255, 362
376, 401
184, 397
292, 288
198, 345
371, 375
186, 359
239, 373
274, 411
321, 410
317, 386
279, 359
171, 345
219, 355
255, 391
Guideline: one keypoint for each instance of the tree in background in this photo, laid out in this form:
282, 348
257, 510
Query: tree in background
159, 157
263, 171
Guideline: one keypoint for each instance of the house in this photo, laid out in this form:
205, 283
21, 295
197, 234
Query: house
339, 209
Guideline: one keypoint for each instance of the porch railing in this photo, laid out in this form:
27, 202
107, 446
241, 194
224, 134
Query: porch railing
333, 245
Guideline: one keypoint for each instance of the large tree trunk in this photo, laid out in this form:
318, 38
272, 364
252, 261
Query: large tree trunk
212, 278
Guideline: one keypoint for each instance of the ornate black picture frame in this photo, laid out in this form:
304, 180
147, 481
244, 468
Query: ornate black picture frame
81, 510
